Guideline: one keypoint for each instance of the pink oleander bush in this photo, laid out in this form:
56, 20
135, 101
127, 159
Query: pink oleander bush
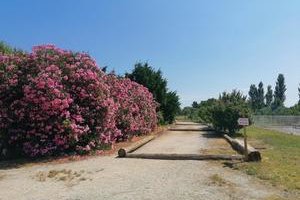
136, 113
54, 101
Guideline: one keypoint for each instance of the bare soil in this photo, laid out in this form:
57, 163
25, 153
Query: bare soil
108, 177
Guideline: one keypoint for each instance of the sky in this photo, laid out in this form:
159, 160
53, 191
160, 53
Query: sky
203, 47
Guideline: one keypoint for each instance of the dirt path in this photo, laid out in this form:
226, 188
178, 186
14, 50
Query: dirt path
112, 178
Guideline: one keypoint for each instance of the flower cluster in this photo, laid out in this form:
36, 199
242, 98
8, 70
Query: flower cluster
137, 109
53, 101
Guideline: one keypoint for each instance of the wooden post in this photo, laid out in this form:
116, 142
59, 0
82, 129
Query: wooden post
245, 144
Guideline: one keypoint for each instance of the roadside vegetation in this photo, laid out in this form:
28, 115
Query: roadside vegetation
280, 158
223, 112
152, 79
55, 102
280, 151
271, 102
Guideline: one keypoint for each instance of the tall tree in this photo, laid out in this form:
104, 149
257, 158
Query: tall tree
299, 94
260, 96
172, 107
147, 76
279, 93
253, 94
269, 96
153, 79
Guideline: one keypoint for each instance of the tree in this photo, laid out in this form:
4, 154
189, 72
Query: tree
229, 107
253, 94
279, 93
172, 107
205, 109
269, 96
194, 104
299, 94
260, 96
7, 49
153, 79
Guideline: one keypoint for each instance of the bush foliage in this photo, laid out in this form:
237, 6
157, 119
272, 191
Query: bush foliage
228, 109
222, 113
169, 105
54, 101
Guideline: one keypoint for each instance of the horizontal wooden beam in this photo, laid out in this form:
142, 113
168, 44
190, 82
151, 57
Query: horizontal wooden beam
124, 151
183, 156
191, 129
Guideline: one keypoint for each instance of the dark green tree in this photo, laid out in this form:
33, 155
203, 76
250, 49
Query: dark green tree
147, 76
153, 79
299, 94
228, 109
260, 96
172, 107
269, 96
205, 109
253, 97
279, 93
195, 104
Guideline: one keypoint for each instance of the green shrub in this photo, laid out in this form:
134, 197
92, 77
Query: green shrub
228, 109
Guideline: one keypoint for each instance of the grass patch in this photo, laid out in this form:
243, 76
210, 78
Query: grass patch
70, 177
2, 176
280, 158
218, 180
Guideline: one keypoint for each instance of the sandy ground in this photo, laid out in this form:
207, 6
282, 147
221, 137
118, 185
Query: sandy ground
121, 178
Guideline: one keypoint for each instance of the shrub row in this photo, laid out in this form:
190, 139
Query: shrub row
54, 101
222, 113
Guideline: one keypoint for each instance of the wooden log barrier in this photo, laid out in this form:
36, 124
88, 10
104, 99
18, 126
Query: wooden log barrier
238, 145
124, 151
184, 156
191, 129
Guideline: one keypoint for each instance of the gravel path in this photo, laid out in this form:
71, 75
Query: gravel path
114, 178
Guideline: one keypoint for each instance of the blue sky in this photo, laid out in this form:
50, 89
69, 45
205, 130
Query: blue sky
202, 47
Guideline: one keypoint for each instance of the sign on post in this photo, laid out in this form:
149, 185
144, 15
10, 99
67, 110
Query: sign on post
244, 122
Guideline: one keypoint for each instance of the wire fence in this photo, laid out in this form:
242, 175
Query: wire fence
287, 124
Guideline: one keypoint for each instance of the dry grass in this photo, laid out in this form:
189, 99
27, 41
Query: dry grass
68, 176
274, 197
280, 163
2, 177
218, 146
216, 179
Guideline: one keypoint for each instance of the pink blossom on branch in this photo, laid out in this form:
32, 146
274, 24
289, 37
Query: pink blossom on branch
54, 101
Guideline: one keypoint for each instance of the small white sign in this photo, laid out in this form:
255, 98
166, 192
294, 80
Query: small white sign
243, 121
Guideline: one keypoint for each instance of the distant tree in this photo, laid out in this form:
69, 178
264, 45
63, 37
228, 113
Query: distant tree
299, 94
269, 96
172, 107
205, 109
190, 113
260, 96
279, 93
104, 69
7, 49
253, 97
194, 104
229, 107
